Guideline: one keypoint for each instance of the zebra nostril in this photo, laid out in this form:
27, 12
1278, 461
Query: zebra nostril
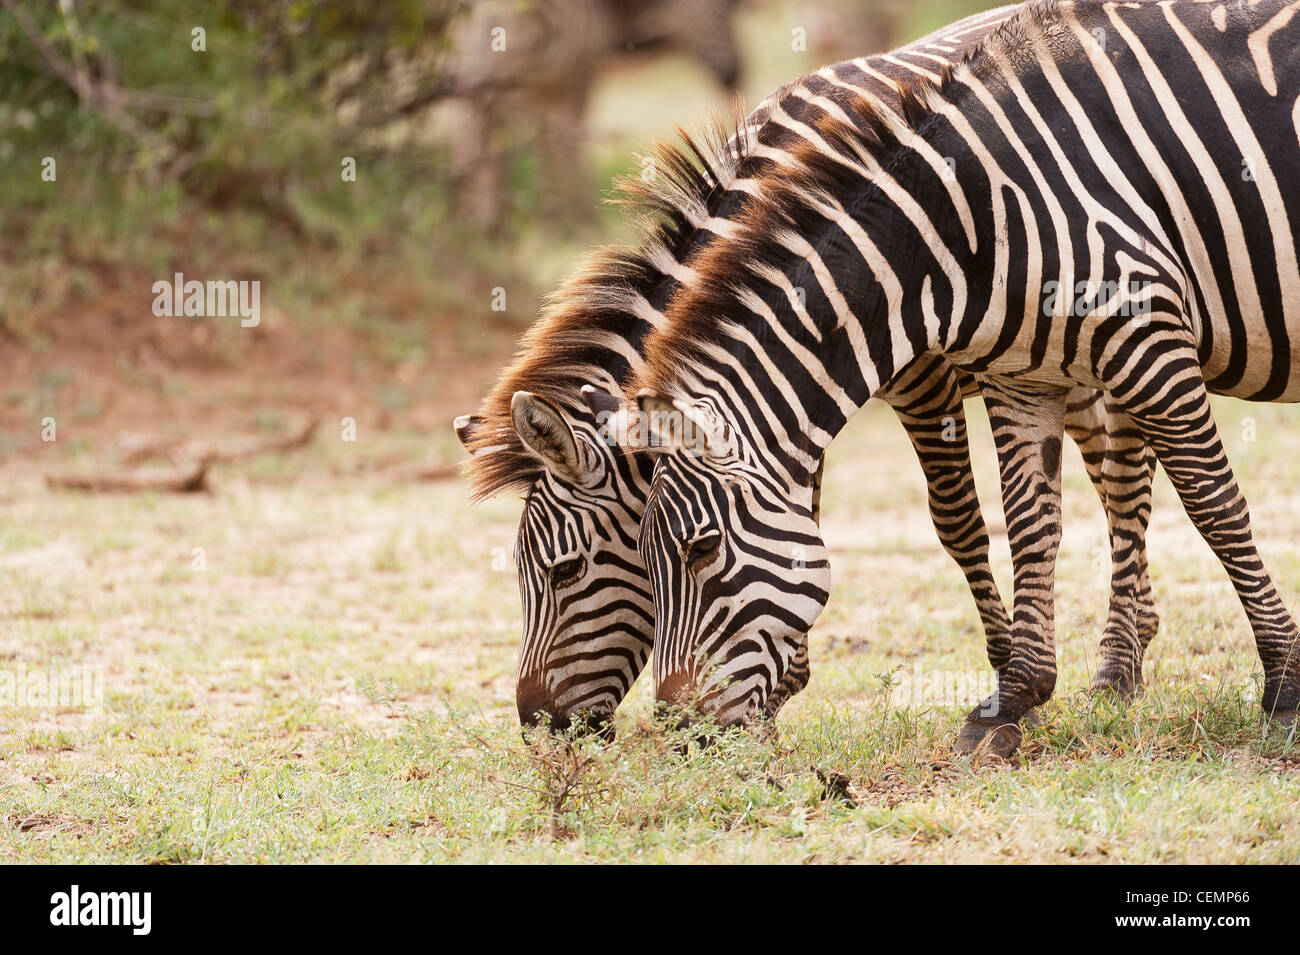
674, 700
536, 707
675, 689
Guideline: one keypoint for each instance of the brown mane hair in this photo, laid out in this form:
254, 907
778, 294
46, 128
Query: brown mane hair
571, 345
784, 201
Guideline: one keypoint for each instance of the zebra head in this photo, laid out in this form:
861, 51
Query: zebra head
588, 613
736, 564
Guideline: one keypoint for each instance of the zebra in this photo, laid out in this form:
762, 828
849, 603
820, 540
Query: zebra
1058, 148
588, 610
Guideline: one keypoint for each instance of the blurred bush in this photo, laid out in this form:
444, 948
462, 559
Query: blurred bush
243, 104
187, 135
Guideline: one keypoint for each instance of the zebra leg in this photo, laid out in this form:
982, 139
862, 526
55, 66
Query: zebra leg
1085, 423
1132, 622
928, 402
1028, 422
1176, 420
1121, 467
1148, 621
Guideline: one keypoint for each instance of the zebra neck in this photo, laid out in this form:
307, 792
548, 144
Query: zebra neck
809, 332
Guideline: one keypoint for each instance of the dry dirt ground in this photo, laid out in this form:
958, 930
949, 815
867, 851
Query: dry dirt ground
391, 355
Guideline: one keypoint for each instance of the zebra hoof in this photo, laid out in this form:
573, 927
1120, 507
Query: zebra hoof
1119, 683
978, 739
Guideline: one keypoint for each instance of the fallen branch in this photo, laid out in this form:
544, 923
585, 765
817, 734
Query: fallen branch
175, 449
186, 482
191, 479
290, 442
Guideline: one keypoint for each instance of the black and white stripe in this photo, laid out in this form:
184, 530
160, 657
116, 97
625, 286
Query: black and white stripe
1149, 145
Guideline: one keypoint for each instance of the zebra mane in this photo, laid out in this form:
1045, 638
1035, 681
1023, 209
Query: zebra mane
784, 199
592, 329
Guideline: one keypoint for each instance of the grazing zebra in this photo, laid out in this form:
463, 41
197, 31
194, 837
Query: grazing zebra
1142, 157
588, 610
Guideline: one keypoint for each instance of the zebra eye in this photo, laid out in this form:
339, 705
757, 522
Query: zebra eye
567, 571
702, 552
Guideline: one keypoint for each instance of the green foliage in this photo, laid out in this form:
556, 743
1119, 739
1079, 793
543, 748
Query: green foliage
142, 126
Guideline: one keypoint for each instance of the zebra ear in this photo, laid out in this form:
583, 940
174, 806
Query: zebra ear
672, 423
600, 402
545, 432
467, 427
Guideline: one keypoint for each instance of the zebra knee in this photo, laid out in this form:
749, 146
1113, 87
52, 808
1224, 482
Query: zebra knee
999, 650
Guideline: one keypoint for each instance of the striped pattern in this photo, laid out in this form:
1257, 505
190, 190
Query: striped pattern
588, 612
1101, 195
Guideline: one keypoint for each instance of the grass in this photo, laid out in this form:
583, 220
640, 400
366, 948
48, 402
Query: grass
336, 685
313, 664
